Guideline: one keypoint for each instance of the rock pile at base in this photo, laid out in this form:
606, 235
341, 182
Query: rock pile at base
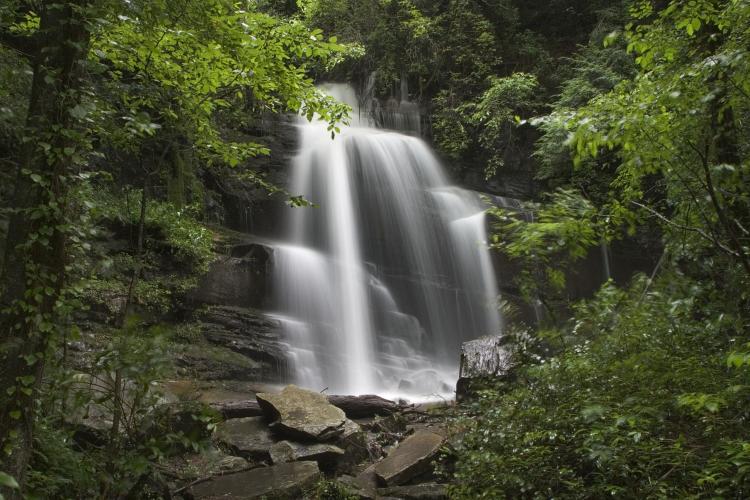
302, 436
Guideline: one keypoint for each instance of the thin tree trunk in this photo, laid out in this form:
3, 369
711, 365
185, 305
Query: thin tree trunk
118, 388
138, 253
721, 147
33, 272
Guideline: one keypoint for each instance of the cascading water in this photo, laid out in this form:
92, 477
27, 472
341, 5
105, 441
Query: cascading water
380, 283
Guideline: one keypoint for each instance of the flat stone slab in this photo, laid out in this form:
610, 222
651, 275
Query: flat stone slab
367, 481
409, 459
284, 481
302, 415
248, 437
289, 451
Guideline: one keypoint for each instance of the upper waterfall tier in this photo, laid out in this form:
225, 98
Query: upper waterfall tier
388, 274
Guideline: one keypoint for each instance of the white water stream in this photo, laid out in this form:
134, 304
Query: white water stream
380, 283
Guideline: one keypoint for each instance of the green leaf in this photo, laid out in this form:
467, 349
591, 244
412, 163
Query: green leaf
30, 359
78, 112
8, 481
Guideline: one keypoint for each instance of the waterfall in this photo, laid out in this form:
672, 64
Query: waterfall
394, 114
381, 281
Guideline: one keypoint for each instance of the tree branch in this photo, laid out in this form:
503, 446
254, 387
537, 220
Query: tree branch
696, 230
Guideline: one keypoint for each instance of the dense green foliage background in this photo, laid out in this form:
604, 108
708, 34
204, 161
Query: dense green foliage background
467, 62
643, 391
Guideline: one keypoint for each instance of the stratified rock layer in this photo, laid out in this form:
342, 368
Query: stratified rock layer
237, 344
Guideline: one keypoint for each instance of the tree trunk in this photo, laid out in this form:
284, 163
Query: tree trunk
33, 272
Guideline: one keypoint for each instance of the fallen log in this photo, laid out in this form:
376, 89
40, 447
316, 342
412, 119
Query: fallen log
354, 407
238, 409
365, 406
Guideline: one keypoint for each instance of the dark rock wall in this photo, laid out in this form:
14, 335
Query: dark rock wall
240, 204
240, 279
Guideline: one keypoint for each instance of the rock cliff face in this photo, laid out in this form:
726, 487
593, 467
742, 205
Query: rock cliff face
251, 334
239, 279
239, 203
237, 341
515, 179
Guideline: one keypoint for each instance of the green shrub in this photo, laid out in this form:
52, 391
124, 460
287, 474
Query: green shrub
186, 239
190, 241
331, 490
639, 402
120, 385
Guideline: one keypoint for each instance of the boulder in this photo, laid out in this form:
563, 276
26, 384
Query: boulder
427, 491
288, 451
239, 280
340, 455
247, 437
410, 459
283, 481
301, 414
483, 357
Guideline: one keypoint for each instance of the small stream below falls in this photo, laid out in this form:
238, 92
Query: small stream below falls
380, 283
